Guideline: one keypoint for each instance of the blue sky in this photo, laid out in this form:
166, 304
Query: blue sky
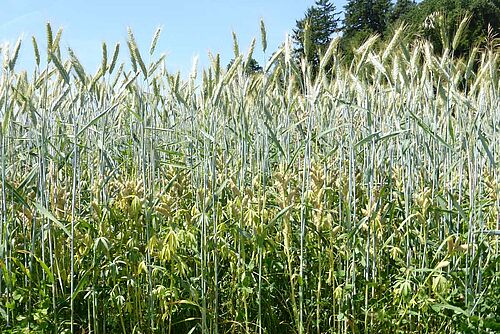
190, 28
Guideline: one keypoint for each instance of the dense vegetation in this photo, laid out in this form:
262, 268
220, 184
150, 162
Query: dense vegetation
362, 201
434, 20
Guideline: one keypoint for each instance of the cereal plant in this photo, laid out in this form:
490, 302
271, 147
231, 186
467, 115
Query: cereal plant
362, 199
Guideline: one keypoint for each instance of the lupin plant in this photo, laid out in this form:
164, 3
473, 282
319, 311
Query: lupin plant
362, 197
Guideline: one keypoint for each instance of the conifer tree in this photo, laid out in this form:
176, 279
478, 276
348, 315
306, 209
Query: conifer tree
364, 18
371, 16
402, 8
322, 23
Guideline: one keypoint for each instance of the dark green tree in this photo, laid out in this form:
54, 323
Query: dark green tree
364, 18
322, 23
434, 19
251, 68
401, 8
370, 16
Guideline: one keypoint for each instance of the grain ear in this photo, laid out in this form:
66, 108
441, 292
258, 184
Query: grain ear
135, 53
156, 37
35, 50
263, 35
236, 48
104, 60
50, 39
114, 59
15, 55
329, 195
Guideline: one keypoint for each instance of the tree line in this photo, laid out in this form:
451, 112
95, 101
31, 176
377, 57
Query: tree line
436, 20
431, 19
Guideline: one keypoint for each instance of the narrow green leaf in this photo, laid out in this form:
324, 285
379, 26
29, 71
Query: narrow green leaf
51, 217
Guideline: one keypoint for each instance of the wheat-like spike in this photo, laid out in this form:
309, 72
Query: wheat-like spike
13, 59
216, 65
35, 49
246, 171
461, 28
287, 48
96, 78
156, 88
141, 63
374, 60
394, 40
131, 37
104, 63
250, 53
307, 38
470, 63
80, 72
154, 41
367, 44
277, 54
132, 56
60, 67
115, 58
50, 39
57, 40
329, 51
157, 64
236, 48
194, 68
135, 52
363, 51
177, 80
232, 70
119, 72
132, 45
211, 58
263, 35
204, 80
441, 20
